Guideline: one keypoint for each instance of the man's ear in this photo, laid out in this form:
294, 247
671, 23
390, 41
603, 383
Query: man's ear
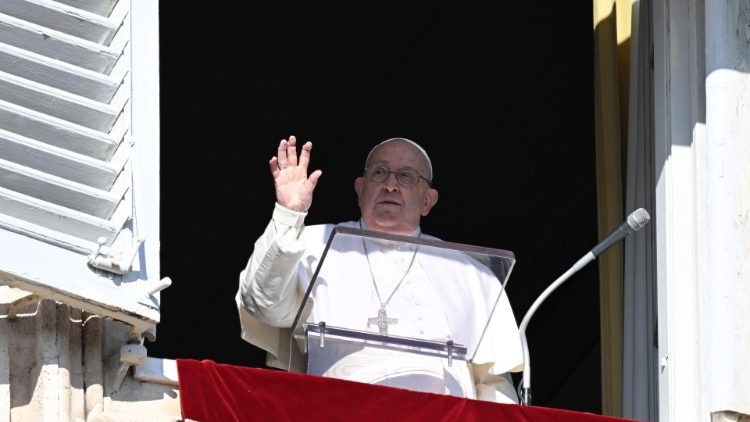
430, 199
358, 185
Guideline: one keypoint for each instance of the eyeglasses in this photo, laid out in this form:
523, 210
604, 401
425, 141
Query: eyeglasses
406, 177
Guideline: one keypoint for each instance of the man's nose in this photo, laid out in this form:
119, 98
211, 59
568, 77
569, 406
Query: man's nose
391, 183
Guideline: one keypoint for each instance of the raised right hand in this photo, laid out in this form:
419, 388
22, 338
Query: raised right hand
294, 188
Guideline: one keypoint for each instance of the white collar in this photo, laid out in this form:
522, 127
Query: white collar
414, 233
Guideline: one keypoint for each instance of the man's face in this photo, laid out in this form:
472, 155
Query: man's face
388, 206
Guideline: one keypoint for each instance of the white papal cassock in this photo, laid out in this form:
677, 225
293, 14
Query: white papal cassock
432, 296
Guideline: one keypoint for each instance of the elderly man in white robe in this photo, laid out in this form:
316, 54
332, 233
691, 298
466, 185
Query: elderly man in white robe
285, 258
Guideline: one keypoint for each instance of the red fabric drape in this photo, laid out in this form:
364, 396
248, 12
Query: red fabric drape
210, 392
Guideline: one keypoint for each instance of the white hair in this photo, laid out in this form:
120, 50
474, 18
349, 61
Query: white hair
412, 143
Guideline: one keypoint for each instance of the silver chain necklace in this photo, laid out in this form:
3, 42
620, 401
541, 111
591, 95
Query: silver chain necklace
382, 320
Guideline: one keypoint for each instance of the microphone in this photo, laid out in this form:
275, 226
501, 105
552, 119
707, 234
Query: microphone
635, 221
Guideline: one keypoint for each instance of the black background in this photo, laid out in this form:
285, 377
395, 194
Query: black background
500, 96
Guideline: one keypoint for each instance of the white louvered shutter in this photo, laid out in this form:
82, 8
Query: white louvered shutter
79, 154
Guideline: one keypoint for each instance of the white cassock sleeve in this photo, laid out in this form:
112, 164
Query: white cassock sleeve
268, 298
497, 356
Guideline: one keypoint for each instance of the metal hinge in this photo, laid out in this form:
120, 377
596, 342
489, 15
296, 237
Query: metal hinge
107, 261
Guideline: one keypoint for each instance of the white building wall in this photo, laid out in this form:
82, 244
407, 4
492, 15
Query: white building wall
702, 158
58, 363
727, 205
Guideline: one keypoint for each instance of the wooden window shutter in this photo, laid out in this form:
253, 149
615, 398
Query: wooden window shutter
79, 154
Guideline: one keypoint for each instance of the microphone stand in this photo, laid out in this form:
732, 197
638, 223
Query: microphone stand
635, 221
525, 394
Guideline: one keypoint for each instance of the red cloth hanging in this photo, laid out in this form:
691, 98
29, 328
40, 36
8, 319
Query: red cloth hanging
210, 392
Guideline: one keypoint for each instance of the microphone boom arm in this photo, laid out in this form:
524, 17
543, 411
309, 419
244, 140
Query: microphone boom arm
635, 221
526, 383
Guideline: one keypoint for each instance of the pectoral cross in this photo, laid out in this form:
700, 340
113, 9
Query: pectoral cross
382, 321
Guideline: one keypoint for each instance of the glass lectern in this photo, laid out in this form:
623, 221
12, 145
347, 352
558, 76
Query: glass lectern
401, 311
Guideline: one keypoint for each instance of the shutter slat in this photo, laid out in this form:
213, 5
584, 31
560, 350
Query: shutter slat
57, 132
57, 103
57, 45
58, 161
57, 190
58, 74
55, 217
77, 22
100, 7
